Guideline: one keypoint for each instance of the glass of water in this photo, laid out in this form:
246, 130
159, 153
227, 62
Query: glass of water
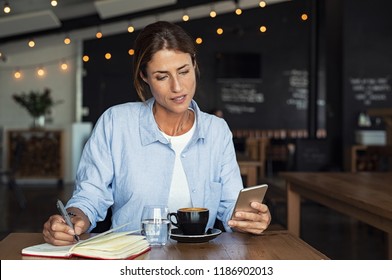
155, 224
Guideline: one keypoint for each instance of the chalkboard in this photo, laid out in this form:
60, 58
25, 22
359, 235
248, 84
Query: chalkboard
248, 104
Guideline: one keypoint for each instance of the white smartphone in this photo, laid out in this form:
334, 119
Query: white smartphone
247, 195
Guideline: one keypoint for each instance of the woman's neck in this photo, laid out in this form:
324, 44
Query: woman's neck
174, 125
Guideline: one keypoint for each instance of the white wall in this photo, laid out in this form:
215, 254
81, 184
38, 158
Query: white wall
62, 83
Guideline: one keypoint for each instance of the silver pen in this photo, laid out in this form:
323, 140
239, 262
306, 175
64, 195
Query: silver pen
63, 212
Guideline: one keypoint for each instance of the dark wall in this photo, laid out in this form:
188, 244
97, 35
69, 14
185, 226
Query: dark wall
367, 68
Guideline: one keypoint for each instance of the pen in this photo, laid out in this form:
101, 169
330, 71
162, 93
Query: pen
63, 212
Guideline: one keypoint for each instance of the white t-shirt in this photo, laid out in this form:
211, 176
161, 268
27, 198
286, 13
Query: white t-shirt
179, 196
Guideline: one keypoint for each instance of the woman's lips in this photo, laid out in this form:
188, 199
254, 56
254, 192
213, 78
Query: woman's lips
179, 99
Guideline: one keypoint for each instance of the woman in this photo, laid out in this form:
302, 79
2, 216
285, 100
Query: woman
163, 150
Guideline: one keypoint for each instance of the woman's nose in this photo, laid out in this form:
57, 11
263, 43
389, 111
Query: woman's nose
176, 84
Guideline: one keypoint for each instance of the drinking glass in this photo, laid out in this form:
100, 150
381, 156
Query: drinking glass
155, 224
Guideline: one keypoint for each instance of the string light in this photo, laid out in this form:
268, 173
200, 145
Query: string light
304, 17
17, 74
98, 34
199, 41
53, 3
67, 40
86, 58
238, 11
131, 28
64, 65
212, 12
7, 7
108, 56
263, 29
41, 71
31, 43
185, 17
131, 52
219, 31
262, 4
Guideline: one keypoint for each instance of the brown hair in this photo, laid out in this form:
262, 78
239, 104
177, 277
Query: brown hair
153, 38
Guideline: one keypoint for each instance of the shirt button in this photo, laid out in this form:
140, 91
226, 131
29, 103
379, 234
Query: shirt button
183, 155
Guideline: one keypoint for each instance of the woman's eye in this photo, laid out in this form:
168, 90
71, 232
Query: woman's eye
184, 72
160, 78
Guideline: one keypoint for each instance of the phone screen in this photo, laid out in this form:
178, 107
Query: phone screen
247, 195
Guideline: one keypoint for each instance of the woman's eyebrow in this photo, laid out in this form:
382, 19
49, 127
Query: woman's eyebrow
164, 72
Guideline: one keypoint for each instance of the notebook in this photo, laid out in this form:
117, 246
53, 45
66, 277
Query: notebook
108, 245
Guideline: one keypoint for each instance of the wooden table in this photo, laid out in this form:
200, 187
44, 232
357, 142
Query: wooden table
248, 168
366, 196
272, 245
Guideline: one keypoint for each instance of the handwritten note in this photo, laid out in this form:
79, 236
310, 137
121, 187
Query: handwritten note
240, 95
298, 83
371, 90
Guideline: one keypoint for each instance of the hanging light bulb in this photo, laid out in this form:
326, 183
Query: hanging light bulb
64, 65
212, 12
131, 28
238, 10
17, 74
98, 34
41, 71
263, 29
67, 40
31, 43
185, 17
7, 7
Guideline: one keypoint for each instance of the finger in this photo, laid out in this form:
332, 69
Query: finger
249, 226
56, 238
260, 207
241, 216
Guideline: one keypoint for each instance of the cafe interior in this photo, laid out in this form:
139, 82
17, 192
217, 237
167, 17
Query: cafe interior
304, 85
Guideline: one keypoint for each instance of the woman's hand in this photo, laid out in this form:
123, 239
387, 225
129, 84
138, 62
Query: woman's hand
250, 222
57, 232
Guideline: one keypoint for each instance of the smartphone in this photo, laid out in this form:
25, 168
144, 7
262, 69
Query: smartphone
247, 195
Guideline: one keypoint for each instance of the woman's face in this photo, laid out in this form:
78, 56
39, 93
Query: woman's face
172, 80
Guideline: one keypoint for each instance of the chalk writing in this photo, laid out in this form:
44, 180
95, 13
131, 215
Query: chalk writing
298, 88
371, 90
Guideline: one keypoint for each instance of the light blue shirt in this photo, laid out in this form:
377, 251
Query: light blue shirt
127, 163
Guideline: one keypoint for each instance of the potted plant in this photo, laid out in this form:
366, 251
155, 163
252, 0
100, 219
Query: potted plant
37, 104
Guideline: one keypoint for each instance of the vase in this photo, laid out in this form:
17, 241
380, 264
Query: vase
38, 122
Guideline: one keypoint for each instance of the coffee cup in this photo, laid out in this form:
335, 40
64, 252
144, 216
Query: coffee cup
191, 221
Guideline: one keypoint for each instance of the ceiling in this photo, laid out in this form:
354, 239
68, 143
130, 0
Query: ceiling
37, 17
